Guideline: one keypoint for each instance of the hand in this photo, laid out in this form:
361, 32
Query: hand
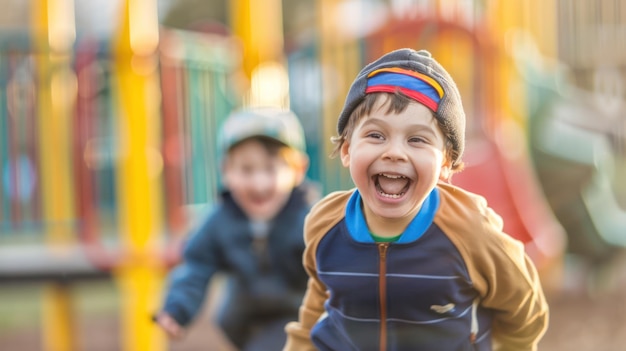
170, 326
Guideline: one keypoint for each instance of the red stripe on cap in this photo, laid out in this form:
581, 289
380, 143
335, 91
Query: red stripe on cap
417, 96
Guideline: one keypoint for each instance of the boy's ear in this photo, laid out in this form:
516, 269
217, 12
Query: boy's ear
344, 153
302, 168
446, 169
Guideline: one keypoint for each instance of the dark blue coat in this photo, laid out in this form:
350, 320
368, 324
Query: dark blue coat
223, 243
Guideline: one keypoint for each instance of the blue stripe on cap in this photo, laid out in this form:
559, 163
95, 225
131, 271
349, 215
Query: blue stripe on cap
404, 81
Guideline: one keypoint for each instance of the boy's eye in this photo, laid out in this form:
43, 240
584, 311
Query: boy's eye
417, 140
375, 135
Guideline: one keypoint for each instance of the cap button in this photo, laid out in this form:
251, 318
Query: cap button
425, 53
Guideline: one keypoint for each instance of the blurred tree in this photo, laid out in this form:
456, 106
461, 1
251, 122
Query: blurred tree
194, 14
298, 15
15, 15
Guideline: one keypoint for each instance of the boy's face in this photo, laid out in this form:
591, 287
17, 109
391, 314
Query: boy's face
259, 182
395, 160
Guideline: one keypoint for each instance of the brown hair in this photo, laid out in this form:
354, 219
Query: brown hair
396, 103
293, 157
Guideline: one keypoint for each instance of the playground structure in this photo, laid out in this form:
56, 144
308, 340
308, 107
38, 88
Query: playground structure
106, 144
89, 159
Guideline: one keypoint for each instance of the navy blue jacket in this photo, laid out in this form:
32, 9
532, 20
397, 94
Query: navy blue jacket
453, 281
223, 243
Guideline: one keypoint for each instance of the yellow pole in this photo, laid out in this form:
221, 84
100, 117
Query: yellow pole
542, 23
59, 326
342, 55
504, 19
535, 19
258, 26
53, 35
140, 274
258, 23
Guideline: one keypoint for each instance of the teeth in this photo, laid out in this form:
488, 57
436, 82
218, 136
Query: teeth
392, 176
391, 196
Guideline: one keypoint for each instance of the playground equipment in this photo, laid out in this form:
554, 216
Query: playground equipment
88, 158
95, 135
580, 165
578, 129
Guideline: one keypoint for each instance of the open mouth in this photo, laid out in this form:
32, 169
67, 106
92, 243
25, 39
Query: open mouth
259, 199
391, 185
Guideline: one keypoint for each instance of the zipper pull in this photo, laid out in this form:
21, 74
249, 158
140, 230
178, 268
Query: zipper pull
382, 249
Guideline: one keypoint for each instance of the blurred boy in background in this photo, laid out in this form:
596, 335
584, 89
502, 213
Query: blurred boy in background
253, 234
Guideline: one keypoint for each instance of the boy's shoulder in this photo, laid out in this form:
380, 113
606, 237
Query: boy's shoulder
327, 212
333, 200
463, 206
472, 225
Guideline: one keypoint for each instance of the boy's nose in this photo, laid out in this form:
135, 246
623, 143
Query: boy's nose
395, 151
261, 181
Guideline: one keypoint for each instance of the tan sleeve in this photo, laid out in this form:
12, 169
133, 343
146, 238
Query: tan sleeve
323, 216
501, 271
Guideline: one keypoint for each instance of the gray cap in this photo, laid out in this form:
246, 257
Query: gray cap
449, 111
278, 124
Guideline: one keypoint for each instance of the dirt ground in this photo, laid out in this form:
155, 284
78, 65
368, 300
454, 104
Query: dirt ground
582, 319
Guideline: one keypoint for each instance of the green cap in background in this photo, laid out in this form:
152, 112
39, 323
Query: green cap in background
279, 124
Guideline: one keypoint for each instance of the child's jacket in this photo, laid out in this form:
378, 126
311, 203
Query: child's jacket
224, 243
453, 281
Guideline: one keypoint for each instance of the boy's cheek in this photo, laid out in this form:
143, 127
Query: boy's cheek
287, 179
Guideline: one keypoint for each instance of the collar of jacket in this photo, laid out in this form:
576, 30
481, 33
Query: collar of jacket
357, 226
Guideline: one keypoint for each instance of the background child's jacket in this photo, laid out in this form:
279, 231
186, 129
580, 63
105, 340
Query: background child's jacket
269, 272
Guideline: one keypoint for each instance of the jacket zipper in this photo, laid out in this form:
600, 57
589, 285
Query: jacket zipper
382, 292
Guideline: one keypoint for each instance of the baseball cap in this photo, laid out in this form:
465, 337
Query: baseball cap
275, 123
419, 76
